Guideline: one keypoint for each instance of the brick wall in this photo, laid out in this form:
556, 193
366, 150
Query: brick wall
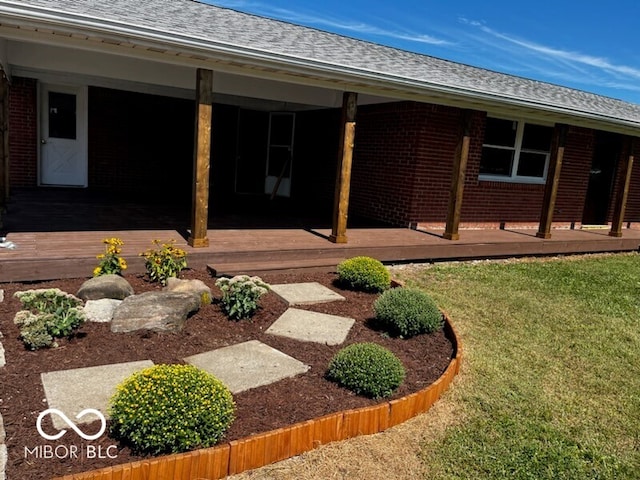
403, 164
388, 146
23, 132
140, 144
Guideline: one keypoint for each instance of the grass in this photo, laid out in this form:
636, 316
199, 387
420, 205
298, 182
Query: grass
551, 383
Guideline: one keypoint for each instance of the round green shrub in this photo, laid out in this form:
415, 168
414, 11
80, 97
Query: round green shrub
364, 273
367, 369
171, 409
407, 312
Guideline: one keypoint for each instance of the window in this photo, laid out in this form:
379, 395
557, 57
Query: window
515, 151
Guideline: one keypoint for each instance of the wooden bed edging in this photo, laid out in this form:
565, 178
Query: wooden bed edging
265, 448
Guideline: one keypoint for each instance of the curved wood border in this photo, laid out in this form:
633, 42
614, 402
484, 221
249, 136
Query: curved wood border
265, 448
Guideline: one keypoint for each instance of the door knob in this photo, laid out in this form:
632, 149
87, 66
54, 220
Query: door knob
43, 141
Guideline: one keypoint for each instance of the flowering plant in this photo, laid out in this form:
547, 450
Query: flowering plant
164, 261
110, 262
240, 295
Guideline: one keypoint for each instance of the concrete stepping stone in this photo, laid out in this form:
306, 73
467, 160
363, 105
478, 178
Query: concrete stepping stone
72, 391
248, 365
305, 293
309, 326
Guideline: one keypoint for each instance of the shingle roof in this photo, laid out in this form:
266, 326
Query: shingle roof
224, 29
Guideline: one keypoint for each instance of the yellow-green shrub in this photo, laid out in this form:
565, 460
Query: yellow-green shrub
363, 273
170, 409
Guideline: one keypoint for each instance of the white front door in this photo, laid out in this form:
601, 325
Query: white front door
63, 136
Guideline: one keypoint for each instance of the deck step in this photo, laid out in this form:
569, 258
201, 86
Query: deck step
273, 266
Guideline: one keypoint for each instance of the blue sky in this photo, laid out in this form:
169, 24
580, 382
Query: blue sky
589, 45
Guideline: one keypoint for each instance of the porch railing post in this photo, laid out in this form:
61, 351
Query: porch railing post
623, 193
457, 179
553, 179
343, 176
4, 141
202, 153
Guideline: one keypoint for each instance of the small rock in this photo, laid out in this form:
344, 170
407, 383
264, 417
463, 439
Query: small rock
3, 362
195, 287
105, 286
160, 311
1, 295
101, 311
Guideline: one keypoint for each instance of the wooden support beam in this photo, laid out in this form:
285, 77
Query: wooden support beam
202, 153
553, 179
621, 201
457, 179
343, 176
4, 140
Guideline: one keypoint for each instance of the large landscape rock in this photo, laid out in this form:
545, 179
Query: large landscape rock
160, 311
195, 287
105, 286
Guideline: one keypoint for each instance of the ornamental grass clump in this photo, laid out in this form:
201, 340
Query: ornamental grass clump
240, 295
367, 369
171, 409
407, 312
363, 274
164, 261
110, 261
47, 314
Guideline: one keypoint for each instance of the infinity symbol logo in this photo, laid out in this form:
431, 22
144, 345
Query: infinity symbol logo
71, 424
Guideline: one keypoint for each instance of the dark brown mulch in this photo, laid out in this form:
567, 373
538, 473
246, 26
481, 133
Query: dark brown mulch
282, 403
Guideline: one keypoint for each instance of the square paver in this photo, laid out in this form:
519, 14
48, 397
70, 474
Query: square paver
306, 293
248, 365
312, 326
71, 391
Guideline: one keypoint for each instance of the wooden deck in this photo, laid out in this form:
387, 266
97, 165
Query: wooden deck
67, 254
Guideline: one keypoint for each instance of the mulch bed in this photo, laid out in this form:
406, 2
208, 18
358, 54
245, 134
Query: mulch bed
282, 403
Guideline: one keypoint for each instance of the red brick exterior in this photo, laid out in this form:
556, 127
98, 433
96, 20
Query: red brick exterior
140, 144
23, 132
403, 164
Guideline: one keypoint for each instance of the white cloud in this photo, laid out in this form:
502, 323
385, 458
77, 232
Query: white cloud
576, 61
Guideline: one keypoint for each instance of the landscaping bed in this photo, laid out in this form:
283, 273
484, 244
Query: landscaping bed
288, 401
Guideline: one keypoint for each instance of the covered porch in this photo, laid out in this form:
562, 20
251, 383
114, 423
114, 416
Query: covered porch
248, 243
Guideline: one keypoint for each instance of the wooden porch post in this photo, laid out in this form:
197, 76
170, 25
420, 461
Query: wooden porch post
553, 179
457, 179
623, 193
343, 177
4, 141
202, 152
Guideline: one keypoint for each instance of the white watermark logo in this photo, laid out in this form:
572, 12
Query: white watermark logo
75, 428
71, 451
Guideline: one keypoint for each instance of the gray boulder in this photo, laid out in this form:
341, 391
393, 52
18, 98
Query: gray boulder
105, 286
195, 287
159, 311
101, 311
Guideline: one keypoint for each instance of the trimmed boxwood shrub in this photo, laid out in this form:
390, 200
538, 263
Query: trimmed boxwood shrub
363, 273
407, 312
367, 369
171, 409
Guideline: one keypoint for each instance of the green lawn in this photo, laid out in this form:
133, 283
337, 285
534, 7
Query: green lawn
550, 386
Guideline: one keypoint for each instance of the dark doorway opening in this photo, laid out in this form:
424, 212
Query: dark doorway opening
606, 153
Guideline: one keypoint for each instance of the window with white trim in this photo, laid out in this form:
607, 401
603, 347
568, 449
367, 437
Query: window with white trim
515, 151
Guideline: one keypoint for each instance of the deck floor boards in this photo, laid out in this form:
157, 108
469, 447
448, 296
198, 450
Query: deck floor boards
52, 241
